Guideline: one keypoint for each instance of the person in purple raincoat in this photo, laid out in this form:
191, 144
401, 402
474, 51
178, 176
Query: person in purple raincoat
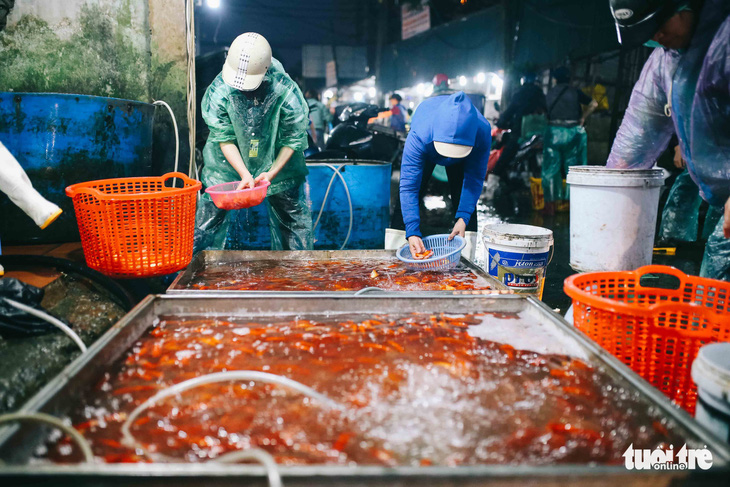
684, 88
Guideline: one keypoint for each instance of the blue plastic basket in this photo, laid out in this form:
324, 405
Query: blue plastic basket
446, 253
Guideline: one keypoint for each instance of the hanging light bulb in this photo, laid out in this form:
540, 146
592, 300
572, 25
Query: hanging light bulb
213, 3
462, 80
481, 78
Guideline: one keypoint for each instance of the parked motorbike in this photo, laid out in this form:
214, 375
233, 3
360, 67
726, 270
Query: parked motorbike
512, 191
354, 138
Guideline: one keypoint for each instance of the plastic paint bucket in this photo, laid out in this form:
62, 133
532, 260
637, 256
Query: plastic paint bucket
613, 216
518, 256
711, 373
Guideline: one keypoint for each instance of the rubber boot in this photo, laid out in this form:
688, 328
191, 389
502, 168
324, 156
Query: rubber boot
470, 251
394, 239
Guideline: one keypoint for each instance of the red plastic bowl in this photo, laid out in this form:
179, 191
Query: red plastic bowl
226, 197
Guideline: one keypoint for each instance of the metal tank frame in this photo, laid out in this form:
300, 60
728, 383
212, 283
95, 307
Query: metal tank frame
215, 257
57, 398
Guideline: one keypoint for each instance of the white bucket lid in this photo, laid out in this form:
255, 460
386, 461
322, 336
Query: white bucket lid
711, 370
603, 176
518, 235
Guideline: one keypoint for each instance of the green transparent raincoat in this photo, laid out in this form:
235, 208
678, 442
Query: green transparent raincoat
260, 123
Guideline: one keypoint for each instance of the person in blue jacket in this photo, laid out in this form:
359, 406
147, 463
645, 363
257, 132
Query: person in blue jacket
398, 113
449, 131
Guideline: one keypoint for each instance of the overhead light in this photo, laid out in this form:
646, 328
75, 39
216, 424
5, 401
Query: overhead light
213, 3
481, 78
372, 92
420, 88
328, 94
462, 80
429, 90
358, 96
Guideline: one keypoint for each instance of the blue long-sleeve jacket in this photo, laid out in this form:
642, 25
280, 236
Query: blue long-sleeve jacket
452, 119
398, 118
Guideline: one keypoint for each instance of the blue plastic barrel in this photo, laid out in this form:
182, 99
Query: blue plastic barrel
369, 185
64, 139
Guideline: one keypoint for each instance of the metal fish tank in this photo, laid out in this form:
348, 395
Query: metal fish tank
436, 389
343, 271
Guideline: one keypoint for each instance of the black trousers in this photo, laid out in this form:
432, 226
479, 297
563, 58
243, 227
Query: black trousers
455, 175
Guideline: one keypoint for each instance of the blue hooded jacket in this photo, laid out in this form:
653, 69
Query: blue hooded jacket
451, 119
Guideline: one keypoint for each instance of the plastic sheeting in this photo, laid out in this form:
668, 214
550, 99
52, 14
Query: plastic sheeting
261, 122
563, 147
17, 323
680, 217
715, 264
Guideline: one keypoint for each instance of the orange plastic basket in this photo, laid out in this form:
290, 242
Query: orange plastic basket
136, 227
657, 332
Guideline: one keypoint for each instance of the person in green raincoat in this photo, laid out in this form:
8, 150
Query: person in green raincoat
565, 143
258, 120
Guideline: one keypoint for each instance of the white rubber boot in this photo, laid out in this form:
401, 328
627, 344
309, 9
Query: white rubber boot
394, 239
15, 183
470, 251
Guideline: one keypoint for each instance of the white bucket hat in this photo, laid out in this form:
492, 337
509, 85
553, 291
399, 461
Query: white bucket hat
249, 57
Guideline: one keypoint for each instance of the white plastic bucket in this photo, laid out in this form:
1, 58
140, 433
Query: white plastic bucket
613, 216
711, 373
518, 256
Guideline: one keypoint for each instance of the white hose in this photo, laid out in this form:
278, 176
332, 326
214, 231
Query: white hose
177, 136
250, 375
56, 423
50, 319
367, 290
326, 195
259, 455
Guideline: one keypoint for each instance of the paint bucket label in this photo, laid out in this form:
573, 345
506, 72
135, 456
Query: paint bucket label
520, 272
